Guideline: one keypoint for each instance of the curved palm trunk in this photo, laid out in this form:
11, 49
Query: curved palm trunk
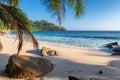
1, 46
15, 19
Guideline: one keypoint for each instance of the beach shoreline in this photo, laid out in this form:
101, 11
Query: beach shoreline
61, 44
76, 61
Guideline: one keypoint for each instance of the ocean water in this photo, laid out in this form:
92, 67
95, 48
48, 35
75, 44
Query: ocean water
84, 39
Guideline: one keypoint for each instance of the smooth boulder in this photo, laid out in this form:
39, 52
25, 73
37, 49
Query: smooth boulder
20, 66
116, 49
111, 45
116, 53
48, 52
45, 51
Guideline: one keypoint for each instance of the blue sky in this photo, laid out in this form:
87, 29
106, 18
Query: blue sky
99, 15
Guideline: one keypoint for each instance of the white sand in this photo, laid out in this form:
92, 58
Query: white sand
83, 63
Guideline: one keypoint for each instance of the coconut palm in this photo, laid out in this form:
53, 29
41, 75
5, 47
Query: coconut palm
58, 7
15, 19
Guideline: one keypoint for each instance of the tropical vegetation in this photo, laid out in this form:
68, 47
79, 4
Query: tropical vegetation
41, 25
14, 18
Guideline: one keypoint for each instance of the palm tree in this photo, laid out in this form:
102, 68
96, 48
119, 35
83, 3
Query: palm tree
58, 7
15, 19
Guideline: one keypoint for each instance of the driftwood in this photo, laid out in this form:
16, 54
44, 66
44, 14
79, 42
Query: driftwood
20, 66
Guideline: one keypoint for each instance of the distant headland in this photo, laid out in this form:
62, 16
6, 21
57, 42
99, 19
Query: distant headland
42, 25
39, 25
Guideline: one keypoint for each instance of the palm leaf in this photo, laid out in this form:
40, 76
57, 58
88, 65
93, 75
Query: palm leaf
13, 3
15, 19
77, 6
57, 7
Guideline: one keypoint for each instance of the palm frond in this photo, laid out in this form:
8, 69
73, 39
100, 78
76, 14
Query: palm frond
13, 3
77, 6
56, 7
15, 19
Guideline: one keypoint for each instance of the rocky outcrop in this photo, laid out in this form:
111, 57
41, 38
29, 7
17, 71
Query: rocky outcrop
48, 52
116, 53
20, 66
111, 45
116, 49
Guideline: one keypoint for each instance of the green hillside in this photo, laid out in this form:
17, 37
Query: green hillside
45, 26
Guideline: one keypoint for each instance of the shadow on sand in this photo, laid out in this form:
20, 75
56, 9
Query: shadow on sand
115, 63
36, 52
3, 62
64, 67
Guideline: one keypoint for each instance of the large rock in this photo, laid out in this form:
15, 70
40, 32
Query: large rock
116, 49
20, 66
45, 51
48, 52
116, 53
111, 45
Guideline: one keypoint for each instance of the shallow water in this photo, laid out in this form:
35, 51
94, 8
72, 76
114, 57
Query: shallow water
85, 39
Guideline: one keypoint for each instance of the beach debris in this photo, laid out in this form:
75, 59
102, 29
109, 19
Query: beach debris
21, 66
74, 78
100, 72
48, 52
112, 45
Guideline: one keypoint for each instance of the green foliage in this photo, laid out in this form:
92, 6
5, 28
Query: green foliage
58, 7
13, 3
15, 19
42, 25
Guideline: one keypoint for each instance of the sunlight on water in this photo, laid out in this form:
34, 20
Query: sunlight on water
85, 39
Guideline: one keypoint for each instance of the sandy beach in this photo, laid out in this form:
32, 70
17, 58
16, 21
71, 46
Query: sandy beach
80, 62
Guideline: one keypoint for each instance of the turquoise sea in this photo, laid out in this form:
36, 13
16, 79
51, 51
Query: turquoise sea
85, 39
